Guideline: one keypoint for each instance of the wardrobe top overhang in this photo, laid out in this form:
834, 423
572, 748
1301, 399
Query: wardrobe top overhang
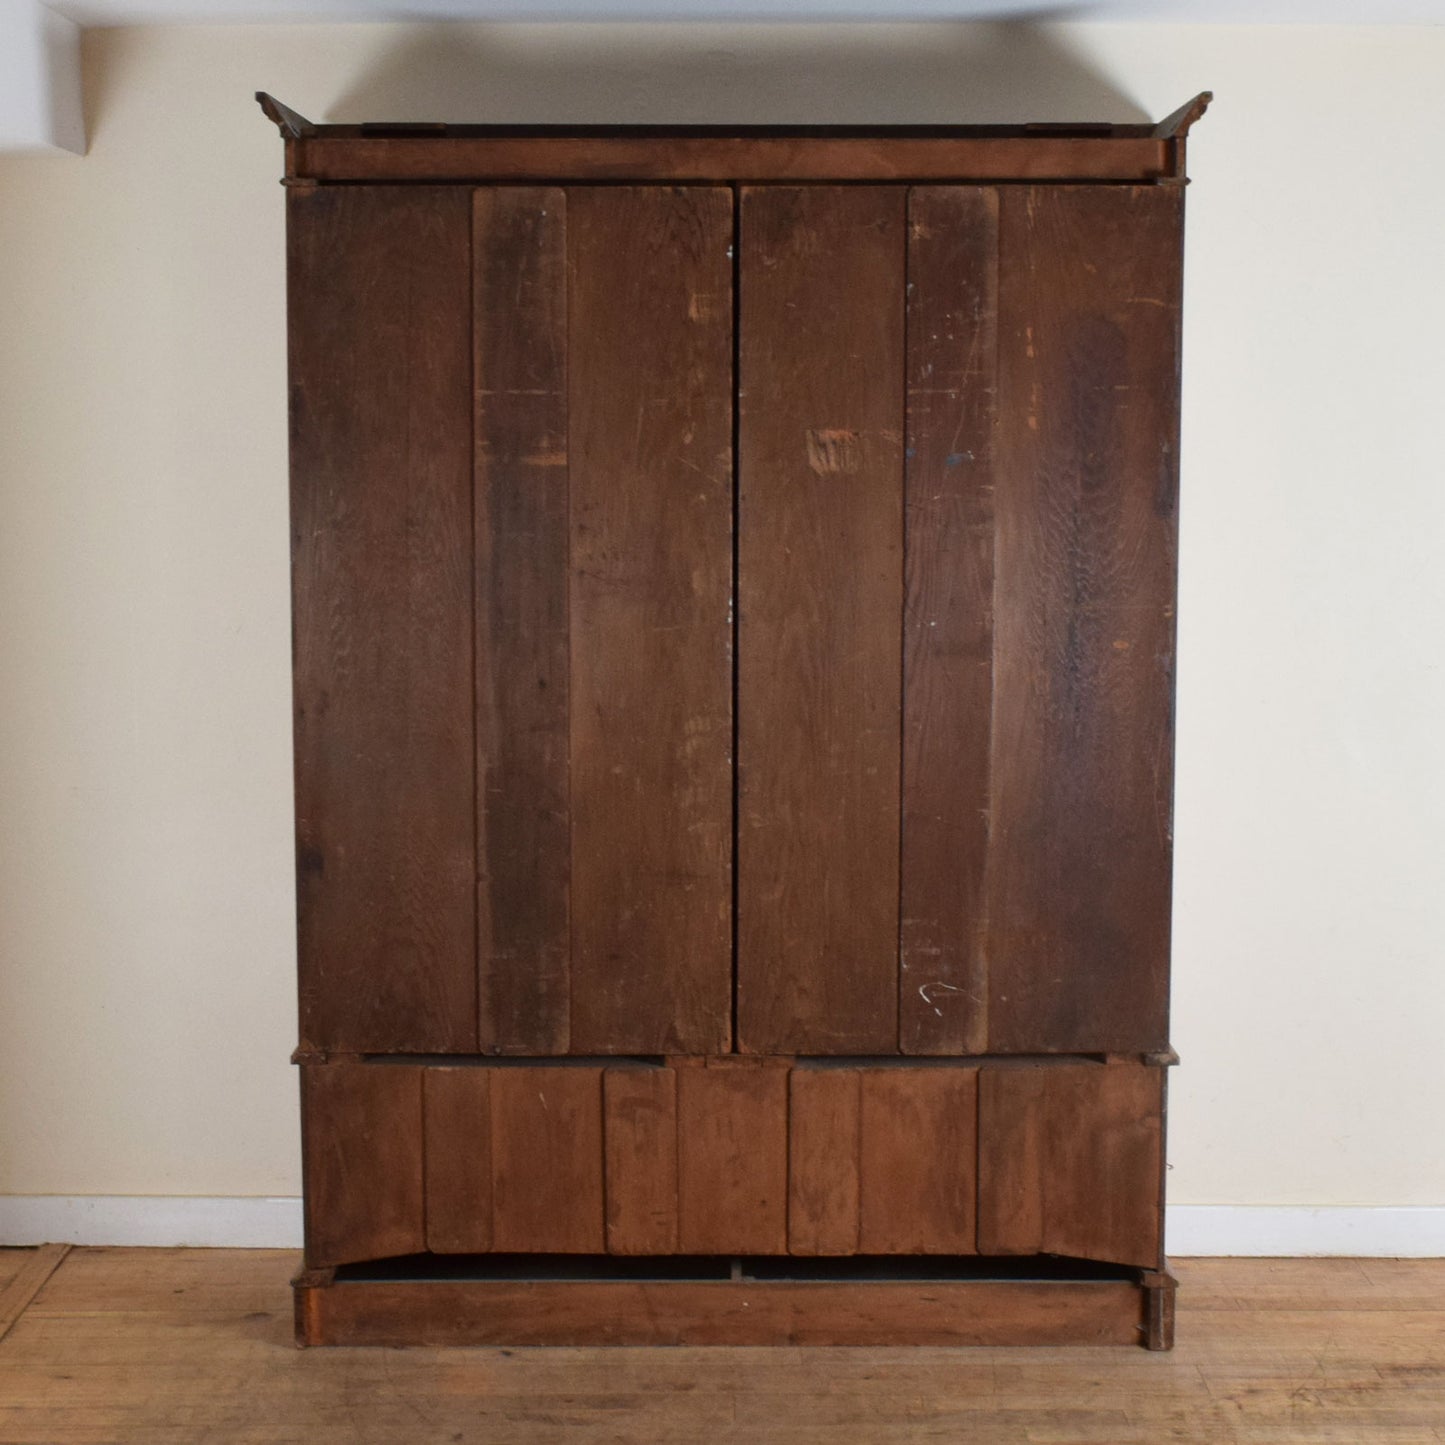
554, 154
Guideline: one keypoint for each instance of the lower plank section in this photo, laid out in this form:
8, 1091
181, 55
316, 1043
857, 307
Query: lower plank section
744, 1311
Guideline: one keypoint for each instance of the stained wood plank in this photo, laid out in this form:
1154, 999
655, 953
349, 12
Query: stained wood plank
650, 435
640, 1139
1078, 882
726, 158
948, 617
1070, 1161
820, 588
732, 1142
760, 1312
547, 1191
361, 1129
458, 1154
381, 482
918, 1143
519, 298
823, 1139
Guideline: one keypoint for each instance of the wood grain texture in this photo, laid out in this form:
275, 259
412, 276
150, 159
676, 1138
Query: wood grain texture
519, 299
361, 1130
732, 1144
1078, 883
167, 1345
19, 1288
748, 1312
381, 482
640, 1140
947, 617
918, 1175
733, 158
458, 1159
1070, 1160
823, 1152
547, 1185
650, 436
820, 588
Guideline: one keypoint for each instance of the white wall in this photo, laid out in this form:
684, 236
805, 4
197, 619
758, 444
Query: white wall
146, 955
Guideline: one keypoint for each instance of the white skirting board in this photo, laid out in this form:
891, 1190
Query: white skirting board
1415, 1231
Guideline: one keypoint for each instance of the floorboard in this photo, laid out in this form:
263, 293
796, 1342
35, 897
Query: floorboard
175, 1347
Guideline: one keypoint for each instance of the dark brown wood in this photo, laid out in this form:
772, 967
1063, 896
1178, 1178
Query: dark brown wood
547, 1190
820, 588
382, 589
1077, 894
519, 296
1176, 125
1069, 1161
640, 1141
361, 1129
1160, 1289
577, 158
291, 125
742, 1312
458, 1159
823, 1138
948, 617
732, 1145
650, 434
918, 1142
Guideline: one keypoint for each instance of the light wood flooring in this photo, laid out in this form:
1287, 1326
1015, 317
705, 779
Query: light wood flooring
193, 1347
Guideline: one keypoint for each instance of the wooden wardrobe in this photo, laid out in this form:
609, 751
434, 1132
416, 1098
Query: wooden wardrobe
734, 578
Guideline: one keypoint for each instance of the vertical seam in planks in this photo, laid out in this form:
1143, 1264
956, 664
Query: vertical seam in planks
478, 842
905, 411
734, 600
982, 928
568, 232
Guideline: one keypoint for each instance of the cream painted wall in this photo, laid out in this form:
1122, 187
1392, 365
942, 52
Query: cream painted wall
146, 951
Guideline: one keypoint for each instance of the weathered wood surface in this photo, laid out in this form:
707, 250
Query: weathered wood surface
524, 836
1069, 1161
948, 617
361, 1136
650, 440
820, 591
640, 1134
163, 1345
1078, 883
381, 482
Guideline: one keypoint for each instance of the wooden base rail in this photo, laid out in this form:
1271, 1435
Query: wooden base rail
743, 1303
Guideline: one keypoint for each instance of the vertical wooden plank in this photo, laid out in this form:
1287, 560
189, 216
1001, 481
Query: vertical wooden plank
519, 298
547, 1160
380, 348
918, 1143
650, 437
947, 617
732, 1145
362, 1136
640, 1142
823, 1132
458, 1152
820, 589
1070, 1159
1078, 878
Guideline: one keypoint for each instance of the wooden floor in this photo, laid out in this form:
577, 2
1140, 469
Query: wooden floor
193, 1347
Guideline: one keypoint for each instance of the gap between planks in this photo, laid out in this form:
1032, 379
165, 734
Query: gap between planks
15, 1298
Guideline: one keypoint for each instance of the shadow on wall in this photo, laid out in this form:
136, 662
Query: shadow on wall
968, 72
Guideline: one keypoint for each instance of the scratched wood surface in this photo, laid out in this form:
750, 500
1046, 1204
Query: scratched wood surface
519, 299
640, 1134
1078, 883
172, 1346
381, 480
361, 1132
650, 437
1069, 1161
457, 1155
547, 1160
947, 617
820, 589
